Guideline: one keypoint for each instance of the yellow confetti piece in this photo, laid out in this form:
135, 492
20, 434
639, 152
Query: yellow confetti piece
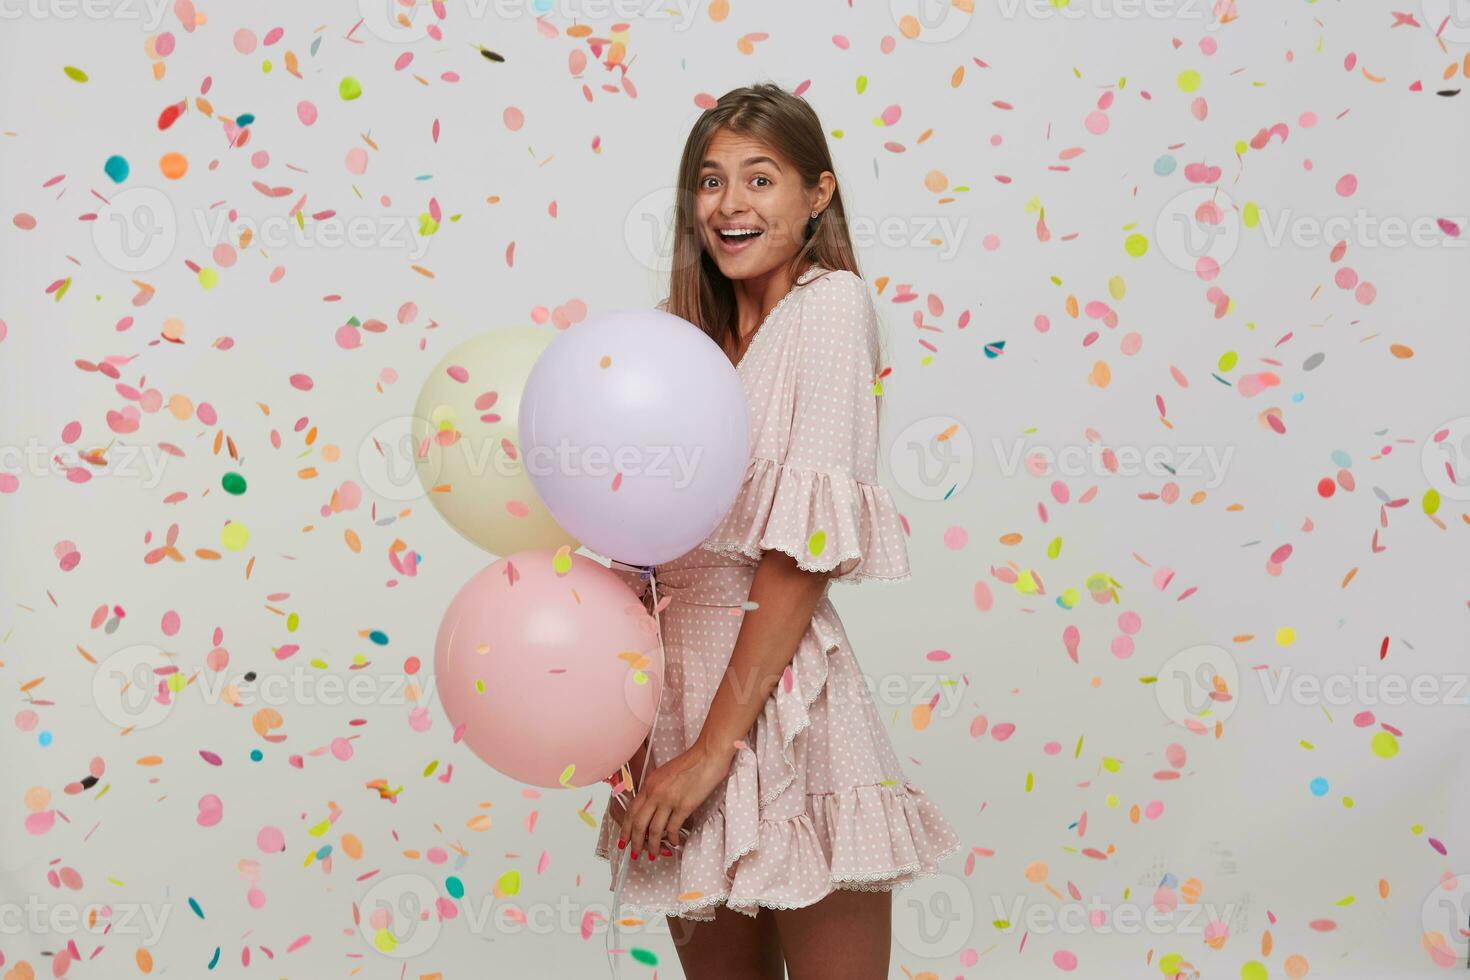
233, 536
817, 542
1385, 746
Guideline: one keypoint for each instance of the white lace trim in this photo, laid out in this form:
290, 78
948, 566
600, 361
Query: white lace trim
889, 880
877, 881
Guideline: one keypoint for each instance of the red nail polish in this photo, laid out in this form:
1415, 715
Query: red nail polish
667, 853
652, 856
635, 854
622, 844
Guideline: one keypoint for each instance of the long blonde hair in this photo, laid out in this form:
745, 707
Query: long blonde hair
698, 291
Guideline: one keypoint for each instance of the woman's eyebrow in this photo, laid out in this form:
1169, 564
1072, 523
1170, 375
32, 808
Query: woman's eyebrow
747, 162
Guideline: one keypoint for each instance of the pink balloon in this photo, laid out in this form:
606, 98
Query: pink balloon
549, 672
634, 431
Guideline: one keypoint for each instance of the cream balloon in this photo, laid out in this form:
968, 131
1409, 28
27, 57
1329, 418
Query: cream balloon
465, 437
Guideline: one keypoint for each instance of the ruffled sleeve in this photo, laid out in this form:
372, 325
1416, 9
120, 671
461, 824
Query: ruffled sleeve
816, 497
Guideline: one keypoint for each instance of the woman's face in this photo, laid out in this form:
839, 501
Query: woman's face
750, 206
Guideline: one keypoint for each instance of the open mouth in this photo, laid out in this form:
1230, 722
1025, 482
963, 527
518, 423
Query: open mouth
732, 239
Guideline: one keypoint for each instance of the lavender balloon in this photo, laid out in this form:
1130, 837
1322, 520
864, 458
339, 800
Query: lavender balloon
634, 433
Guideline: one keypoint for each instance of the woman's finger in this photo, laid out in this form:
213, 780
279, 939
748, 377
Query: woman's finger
625, 831
656, 831
674, 830
638, 818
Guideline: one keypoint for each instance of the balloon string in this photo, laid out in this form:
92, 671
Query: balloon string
621, 857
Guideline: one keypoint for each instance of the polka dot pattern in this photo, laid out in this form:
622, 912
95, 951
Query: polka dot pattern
810, 490
817, 800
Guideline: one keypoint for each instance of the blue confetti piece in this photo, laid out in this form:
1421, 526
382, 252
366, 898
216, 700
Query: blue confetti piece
195, 906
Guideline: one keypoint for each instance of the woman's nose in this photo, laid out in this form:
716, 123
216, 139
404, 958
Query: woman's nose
732, 202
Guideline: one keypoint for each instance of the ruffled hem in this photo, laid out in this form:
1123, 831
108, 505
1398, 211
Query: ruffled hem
810, 855
828, 522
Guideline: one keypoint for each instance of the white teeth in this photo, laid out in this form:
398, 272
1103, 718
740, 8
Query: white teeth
739, 232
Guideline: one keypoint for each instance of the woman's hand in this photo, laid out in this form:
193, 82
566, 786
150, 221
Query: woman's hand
669, 794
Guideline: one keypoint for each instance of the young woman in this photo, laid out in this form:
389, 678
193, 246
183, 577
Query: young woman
771, 770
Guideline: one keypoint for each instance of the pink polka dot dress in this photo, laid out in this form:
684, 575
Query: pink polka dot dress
817, 800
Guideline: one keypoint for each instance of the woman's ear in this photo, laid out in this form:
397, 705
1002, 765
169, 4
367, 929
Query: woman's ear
826, 187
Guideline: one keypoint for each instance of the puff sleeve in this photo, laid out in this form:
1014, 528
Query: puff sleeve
819, 500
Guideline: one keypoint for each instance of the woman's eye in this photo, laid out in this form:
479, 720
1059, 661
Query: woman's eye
766, 179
